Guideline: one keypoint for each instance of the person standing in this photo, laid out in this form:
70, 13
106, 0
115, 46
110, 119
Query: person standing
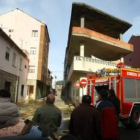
9, 112
85, 121
114, 100
108, 115
102, 100
48, 117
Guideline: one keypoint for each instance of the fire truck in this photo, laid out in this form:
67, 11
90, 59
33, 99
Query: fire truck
126, 83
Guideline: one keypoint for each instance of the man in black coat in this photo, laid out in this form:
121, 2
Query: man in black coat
85, 121
114, 100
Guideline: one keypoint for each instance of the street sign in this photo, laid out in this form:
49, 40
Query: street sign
77, 84
120, 65
83, 82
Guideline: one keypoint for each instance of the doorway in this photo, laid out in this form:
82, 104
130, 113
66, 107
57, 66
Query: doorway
7, 85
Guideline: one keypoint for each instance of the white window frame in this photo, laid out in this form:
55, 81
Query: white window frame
14, 60
7, 53
31, 69
34, 33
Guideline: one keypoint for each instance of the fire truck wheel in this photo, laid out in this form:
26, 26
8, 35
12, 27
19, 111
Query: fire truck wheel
135, 117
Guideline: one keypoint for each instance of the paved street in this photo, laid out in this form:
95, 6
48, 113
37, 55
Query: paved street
27, 110
127, 134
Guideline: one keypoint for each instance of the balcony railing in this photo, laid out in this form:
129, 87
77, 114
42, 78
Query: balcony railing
89, 65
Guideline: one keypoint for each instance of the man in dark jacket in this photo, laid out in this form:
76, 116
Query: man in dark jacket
114, 100
85, 121
48, 117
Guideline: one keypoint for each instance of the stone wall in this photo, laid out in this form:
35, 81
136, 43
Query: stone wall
13, 79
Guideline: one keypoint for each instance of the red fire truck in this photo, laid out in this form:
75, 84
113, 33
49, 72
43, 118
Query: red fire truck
126, 83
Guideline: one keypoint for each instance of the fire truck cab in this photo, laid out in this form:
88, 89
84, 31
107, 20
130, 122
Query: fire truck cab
126, 83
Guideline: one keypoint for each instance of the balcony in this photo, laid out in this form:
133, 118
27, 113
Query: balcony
97, 44
83, 65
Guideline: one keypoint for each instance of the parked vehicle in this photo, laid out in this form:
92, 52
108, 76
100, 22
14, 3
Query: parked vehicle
126, 83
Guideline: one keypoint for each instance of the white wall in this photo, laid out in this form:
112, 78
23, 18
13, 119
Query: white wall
22, 33
91, 65
87, 64
53, 81
7, 66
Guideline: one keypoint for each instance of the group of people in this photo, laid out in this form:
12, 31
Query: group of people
96, 123
9, 112
87, 122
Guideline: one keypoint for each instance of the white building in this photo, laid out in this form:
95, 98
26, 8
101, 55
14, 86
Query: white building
53, 84
32, 36
13, 68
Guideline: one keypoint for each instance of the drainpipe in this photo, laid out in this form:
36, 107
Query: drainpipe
17, 89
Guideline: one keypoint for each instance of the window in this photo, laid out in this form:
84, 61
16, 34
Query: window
20, 65
130, 91
11, 30
7, 54
22, 90
14, 59
33, 50
34, 33
31, 69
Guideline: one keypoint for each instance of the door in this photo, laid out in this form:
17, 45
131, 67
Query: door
7, 85
31, 91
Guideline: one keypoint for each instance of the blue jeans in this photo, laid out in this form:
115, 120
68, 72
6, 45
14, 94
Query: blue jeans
33, 134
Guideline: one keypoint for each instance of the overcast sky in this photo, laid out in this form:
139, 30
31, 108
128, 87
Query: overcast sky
56, 14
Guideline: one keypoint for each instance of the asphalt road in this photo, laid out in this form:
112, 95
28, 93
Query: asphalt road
125, 134
129, 134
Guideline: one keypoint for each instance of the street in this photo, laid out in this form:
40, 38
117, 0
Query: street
128, 134
125, 134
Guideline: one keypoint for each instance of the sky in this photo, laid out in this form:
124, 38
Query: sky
56, 14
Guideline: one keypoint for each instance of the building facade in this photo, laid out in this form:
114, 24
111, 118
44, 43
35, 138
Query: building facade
13, 68
94, 42
32, 36
59, 87
132, 59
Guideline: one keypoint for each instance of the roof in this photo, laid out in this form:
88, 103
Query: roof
98, 20
33, 18
8, 39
